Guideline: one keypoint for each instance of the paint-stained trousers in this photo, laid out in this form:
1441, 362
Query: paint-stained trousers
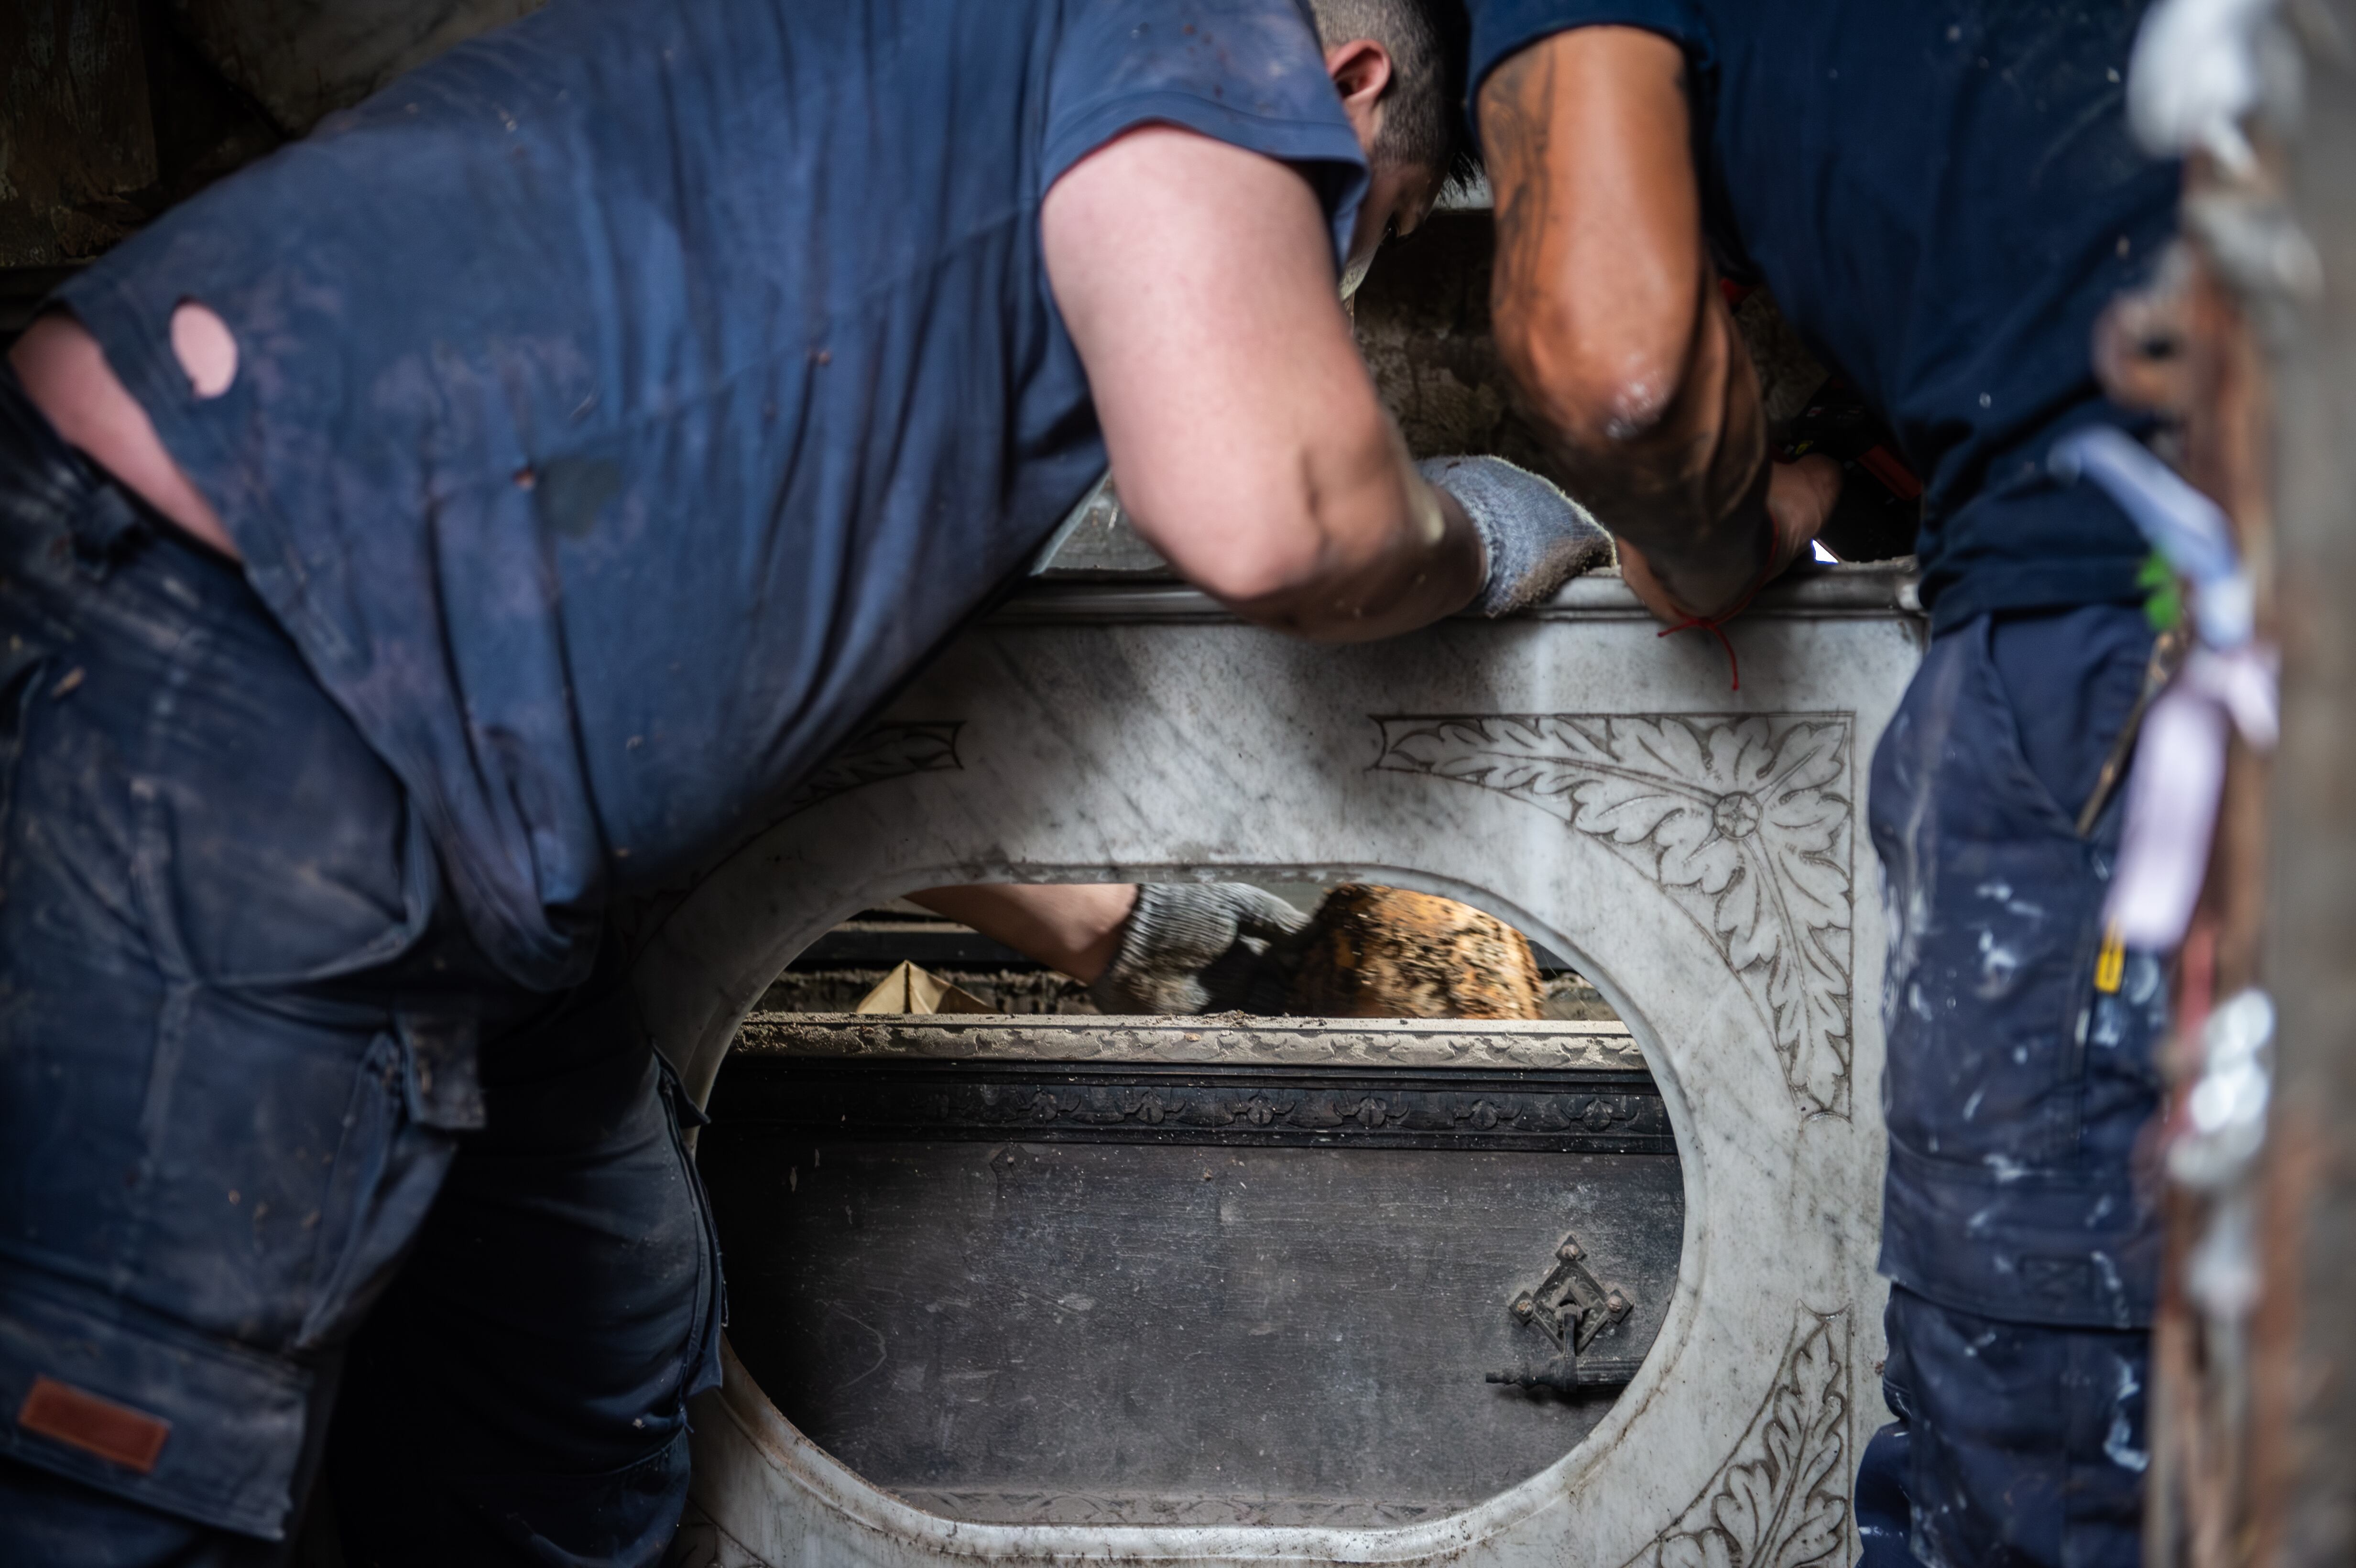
2021, 1245
275, 1141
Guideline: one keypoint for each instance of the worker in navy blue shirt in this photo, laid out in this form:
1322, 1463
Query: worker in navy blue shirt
489, 509
1942, 198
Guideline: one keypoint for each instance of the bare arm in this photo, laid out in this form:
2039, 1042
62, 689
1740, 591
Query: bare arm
1611, 320
1071, 927
1197, 281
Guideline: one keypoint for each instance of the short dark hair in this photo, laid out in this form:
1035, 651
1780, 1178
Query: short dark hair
1424, 117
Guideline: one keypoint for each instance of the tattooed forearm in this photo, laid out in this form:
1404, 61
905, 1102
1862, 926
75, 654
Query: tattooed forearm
1517, 104
1608, 313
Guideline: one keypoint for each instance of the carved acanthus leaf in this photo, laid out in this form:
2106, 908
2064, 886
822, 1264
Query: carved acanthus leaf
885, 752
1781, 1500
1743, 820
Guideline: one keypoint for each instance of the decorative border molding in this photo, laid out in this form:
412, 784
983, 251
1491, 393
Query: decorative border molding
1746, 821
831, 1098
1042, 1507
1224, 1039
1781, 1499
885, 752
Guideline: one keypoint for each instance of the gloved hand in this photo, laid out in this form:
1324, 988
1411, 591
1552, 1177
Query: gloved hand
1538, 536
1200, 947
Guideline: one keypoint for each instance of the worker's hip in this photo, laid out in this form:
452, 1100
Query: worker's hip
521, 1393
2020, 1066
236, 1028
2015, 1444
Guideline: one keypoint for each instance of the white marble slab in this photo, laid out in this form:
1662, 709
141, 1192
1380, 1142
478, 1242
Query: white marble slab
1698, 851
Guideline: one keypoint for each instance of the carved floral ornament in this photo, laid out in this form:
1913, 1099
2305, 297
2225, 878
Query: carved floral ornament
883, 752
1743, 821
1781, 1500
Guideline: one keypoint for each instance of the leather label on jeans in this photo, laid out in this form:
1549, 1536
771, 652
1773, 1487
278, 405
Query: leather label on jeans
115, 1433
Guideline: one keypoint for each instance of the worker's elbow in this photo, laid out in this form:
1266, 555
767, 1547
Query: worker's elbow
1271, 565
1601, 400
1277, 529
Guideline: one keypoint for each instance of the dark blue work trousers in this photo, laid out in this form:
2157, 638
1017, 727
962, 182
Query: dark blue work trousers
2022, 1242
276, 1140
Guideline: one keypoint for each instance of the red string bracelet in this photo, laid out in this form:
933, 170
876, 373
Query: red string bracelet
1716, 624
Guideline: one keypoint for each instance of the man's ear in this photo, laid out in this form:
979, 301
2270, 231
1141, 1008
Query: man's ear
1360, 71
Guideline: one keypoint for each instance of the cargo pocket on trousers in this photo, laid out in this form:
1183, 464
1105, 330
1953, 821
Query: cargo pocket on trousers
384, 1177
140, 1406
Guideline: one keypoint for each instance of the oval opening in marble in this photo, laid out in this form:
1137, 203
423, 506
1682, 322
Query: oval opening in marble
1016, 1260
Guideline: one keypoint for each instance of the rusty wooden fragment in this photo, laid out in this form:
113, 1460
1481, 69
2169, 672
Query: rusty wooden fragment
2187, 348
2251, 1417
2303, 1375
1386, 953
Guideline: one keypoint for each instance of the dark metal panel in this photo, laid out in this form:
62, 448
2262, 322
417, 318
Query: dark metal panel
1026, 1331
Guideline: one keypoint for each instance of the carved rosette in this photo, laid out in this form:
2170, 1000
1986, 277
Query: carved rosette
1781, 1500
885, 752
1743, 821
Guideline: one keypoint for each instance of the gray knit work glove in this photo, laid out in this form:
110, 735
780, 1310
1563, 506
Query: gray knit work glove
1539, 538
1198, 947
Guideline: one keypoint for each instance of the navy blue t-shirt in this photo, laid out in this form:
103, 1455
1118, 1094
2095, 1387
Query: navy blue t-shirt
1942, 198
630, 399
